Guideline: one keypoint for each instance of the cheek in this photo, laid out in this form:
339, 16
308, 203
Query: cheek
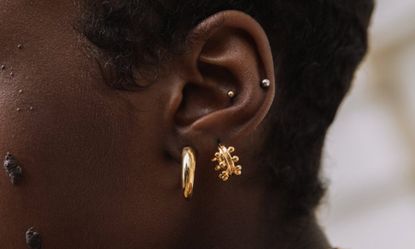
94, 173
91, 166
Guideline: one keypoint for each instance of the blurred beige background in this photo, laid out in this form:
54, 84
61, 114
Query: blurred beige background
369, 159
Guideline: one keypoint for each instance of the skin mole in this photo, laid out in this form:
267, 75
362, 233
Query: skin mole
33, 239
13, 170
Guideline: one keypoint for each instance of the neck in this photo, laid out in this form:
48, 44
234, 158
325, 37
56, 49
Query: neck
297, 233
253, 218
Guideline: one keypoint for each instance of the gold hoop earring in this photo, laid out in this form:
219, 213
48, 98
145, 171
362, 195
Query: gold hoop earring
188, 171
226, 162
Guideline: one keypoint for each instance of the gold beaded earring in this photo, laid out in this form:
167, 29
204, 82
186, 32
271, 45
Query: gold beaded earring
226, 162
188, 171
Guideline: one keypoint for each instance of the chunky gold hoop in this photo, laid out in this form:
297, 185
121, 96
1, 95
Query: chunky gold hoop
226, 162
188, 171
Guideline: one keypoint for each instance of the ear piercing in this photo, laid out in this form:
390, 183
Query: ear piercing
265, 83
188, 171
226, 162
33, 239
12, 168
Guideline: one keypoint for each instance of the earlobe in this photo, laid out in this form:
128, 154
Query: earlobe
229, 76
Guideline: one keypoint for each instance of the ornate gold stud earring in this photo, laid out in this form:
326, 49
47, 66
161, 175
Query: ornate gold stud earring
226, 162
188, 171
12, 168
265, 83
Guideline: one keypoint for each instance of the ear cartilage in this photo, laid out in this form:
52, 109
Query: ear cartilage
231, 94
265, 83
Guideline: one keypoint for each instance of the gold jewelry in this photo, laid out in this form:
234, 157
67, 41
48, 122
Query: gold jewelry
226, 162
188, 171
231, 94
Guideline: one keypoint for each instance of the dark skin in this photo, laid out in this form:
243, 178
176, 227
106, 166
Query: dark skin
102, 167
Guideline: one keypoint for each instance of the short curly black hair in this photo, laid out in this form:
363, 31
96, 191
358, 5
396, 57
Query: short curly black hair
317, 45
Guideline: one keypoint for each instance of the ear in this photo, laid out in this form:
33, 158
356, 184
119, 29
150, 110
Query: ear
228, 51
